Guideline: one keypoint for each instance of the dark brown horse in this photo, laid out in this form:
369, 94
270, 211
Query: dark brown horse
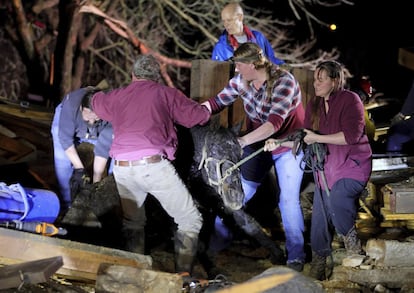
207, 161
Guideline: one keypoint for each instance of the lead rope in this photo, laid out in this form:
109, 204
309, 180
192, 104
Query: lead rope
318, 150
204, 163
297, 137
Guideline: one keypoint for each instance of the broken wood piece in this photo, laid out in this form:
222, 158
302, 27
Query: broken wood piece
117, 278
390, 253
353, 260
388, 277
32, 272
81, 260
259, 285
16, 148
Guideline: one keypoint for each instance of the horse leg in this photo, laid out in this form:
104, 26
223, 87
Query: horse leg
252, 228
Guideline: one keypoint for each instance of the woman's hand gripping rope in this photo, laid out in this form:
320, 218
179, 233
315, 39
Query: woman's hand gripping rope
270, 145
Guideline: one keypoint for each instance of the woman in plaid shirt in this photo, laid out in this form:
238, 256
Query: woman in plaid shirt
273, 105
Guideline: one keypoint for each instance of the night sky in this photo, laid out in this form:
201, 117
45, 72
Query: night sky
369, 35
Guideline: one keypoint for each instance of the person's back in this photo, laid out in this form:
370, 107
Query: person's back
143, 115
236, 33
74, 123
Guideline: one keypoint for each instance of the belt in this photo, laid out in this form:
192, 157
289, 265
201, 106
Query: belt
144, 161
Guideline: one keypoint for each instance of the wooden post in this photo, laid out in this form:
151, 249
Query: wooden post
305, 78
208, 78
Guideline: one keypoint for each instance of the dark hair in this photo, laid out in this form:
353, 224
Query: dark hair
87, 98
335, 71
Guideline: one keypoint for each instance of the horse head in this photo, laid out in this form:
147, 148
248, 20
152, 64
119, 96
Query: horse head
217, 151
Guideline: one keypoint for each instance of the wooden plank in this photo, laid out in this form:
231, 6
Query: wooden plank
15, 147
208, 77
27, 113
32, 272
305, 78
406, 57
388, 215
36, 133
259, 285
81, 261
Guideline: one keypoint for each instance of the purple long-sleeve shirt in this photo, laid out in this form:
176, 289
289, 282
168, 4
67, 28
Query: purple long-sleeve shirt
346, 114
143, 115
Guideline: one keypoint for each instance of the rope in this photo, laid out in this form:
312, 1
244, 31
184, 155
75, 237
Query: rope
317, 150
241, 162
15, 191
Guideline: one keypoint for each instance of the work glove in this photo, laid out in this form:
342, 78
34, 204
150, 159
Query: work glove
77, 181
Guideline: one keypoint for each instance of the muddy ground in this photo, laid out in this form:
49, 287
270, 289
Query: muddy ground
241, 261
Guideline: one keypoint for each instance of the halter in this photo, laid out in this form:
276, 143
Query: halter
220, 178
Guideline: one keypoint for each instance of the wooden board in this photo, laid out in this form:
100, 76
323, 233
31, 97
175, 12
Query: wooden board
80, 261
388, 215
16, 148
208, 77
44, 116
305, 78
35, 132
32, 272
406, 57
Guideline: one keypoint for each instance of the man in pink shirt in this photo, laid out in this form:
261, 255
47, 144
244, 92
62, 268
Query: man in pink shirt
143, 116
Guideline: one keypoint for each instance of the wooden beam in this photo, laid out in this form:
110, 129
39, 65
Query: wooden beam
259, 285
406, 57
80, 261
15, 147
32, 272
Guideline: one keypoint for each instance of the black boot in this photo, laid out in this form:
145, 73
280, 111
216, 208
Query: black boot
318, 267
185, 247
352, 242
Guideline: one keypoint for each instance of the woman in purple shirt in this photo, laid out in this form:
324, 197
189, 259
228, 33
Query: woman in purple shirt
335, 118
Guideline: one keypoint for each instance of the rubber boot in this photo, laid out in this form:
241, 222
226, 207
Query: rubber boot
318, 267
134, 240
185, 247
352, 243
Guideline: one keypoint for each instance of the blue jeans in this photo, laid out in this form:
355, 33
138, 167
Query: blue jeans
289, 175
63, 166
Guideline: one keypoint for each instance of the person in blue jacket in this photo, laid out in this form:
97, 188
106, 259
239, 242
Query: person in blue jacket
74, 123
236, 33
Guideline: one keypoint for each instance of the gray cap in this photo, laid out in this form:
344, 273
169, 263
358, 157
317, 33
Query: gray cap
147, 67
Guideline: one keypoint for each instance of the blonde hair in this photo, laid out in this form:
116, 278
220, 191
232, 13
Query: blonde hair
252, 53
